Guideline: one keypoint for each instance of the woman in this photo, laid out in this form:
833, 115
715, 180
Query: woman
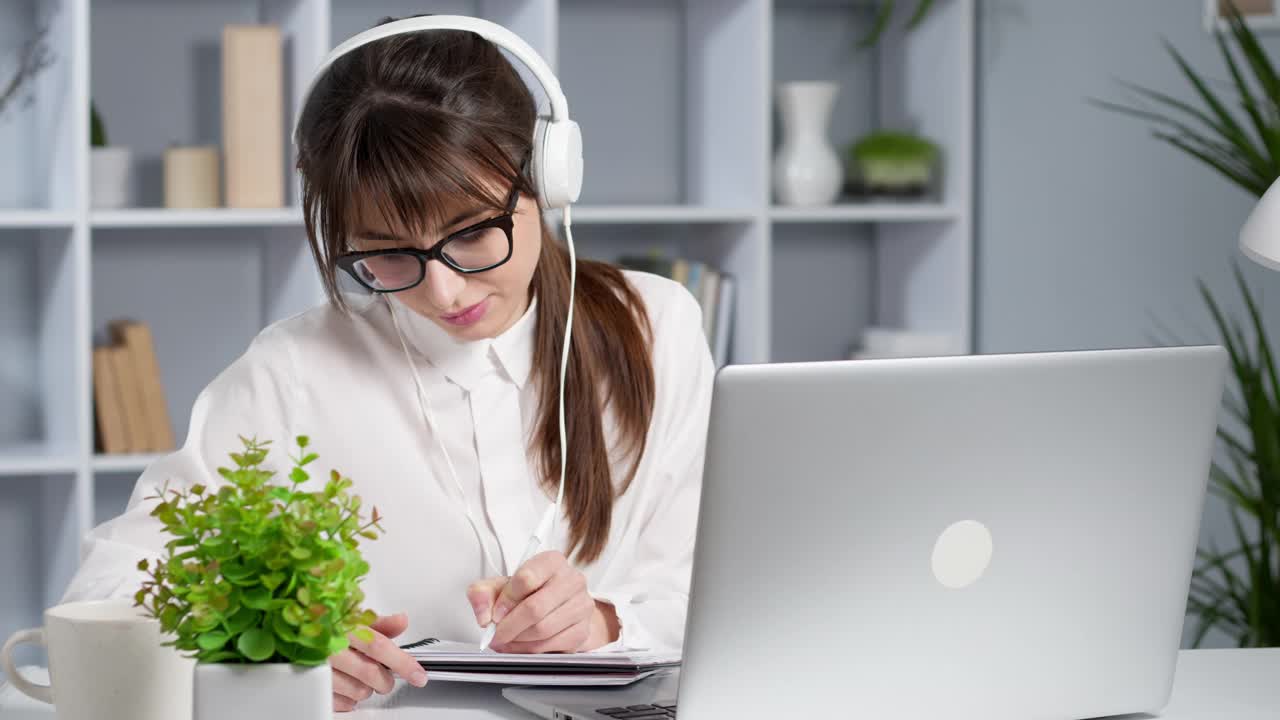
420, 142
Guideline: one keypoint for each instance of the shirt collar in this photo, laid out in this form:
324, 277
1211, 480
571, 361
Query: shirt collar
467, 362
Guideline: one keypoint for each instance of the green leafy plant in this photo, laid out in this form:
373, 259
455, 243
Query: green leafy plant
259, 572
892, 161
1236, 591
1245, 150
884, 11
97, 130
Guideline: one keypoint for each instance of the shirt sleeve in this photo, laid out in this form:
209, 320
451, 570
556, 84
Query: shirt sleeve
651, 596
251, 398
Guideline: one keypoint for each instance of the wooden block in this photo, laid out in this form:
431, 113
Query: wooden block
112, 432
191, 177
253, 116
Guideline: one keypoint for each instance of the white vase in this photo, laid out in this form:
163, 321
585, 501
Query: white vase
806, 168
111, 177
266, 691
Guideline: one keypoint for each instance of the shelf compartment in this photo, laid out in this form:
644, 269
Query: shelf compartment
204, 298
39, 372
693, 99
841, 260
156, 89
728, 247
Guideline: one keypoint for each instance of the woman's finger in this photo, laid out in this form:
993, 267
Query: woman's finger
390, 625
342, 704
385, 652
573, 611
527, 580
571, 639
559, 590
482, 595
364, 670
349, 687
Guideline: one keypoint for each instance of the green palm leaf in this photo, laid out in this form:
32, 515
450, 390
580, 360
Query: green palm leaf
1237, 134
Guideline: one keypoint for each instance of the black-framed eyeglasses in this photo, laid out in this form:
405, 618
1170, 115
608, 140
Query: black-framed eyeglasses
476, 248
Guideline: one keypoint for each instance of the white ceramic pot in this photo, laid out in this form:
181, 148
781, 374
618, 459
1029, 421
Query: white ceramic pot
111, 177
266, 691
806, 168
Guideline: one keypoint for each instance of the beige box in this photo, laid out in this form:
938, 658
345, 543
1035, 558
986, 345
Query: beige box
253, 116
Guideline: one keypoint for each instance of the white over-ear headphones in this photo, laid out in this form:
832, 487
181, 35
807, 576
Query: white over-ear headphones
557, 140
557, 173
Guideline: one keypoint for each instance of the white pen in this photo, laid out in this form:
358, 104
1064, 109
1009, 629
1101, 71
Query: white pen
535, 545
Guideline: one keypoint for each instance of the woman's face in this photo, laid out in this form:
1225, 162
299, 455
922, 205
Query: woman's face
468, 307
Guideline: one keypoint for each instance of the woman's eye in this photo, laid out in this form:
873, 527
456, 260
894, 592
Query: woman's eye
471, 237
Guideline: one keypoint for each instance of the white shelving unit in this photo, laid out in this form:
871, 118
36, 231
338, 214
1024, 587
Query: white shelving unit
675, 98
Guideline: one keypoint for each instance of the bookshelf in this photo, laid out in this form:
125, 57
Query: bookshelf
675, 98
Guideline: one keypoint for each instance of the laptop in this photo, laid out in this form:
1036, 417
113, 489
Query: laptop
985, 536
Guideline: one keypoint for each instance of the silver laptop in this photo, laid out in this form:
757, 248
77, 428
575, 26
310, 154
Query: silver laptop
987, 536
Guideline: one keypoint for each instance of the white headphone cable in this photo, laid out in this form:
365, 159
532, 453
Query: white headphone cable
424, 404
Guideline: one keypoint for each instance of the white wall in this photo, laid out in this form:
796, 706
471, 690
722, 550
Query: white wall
1090, 231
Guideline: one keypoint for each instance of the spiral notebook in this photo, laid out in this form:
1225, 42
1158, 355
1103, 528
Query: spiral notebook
464, 662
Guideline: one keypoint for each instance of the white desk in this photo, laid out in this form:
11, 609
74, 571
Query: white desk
1210, 685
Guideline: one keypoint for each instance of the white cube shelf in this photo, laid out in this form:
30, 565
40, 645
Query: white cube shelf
676, 103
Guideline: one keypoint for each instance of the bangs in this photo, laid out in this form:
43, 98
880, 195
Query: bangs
414, 168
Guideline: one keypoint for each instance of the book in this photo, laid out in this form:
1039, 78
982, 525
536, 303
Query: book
130, 394
112, 433
253, 128
139, 343
724, 311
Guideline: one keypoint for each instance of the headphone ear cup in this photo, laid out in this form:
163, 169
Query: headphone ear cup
557, 161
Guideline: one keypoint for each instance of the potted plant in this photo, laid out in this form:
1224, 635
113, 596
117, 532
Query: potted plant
260, 584
891, 163
1236, 591
111, 167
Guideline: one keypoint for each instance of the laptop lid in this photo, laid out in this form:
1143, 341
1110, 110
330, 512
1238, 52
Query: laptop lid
995, 536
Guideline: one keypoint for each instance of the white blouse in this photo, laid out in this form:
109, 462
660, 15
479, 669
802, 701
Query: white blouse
344, 381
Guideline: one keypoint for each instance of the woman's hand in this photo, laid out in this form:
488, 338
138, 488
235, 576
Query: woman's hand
544, 607
365, 668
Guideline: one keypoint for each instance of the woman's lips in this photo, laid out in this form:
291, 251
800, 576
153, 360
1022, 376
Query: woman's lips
469, 316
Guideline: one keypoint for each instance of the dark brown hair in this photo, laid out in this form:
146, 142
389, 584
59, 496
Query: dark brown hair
415, 121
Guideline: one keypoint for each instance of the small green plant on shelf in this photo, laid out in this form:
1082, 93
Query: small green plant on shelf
97, 129
884, 11
891, 163
258, 572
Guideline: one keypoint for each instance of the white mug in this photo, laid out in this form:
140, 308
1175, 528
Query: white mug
106, 662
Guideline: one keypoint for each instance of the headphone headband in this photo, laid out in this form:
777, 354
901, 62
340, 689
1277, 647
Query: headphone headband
557, 140
490, 31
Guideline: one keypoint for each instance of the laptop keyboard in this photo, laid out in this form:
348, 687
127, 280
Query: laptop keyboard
656, 711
